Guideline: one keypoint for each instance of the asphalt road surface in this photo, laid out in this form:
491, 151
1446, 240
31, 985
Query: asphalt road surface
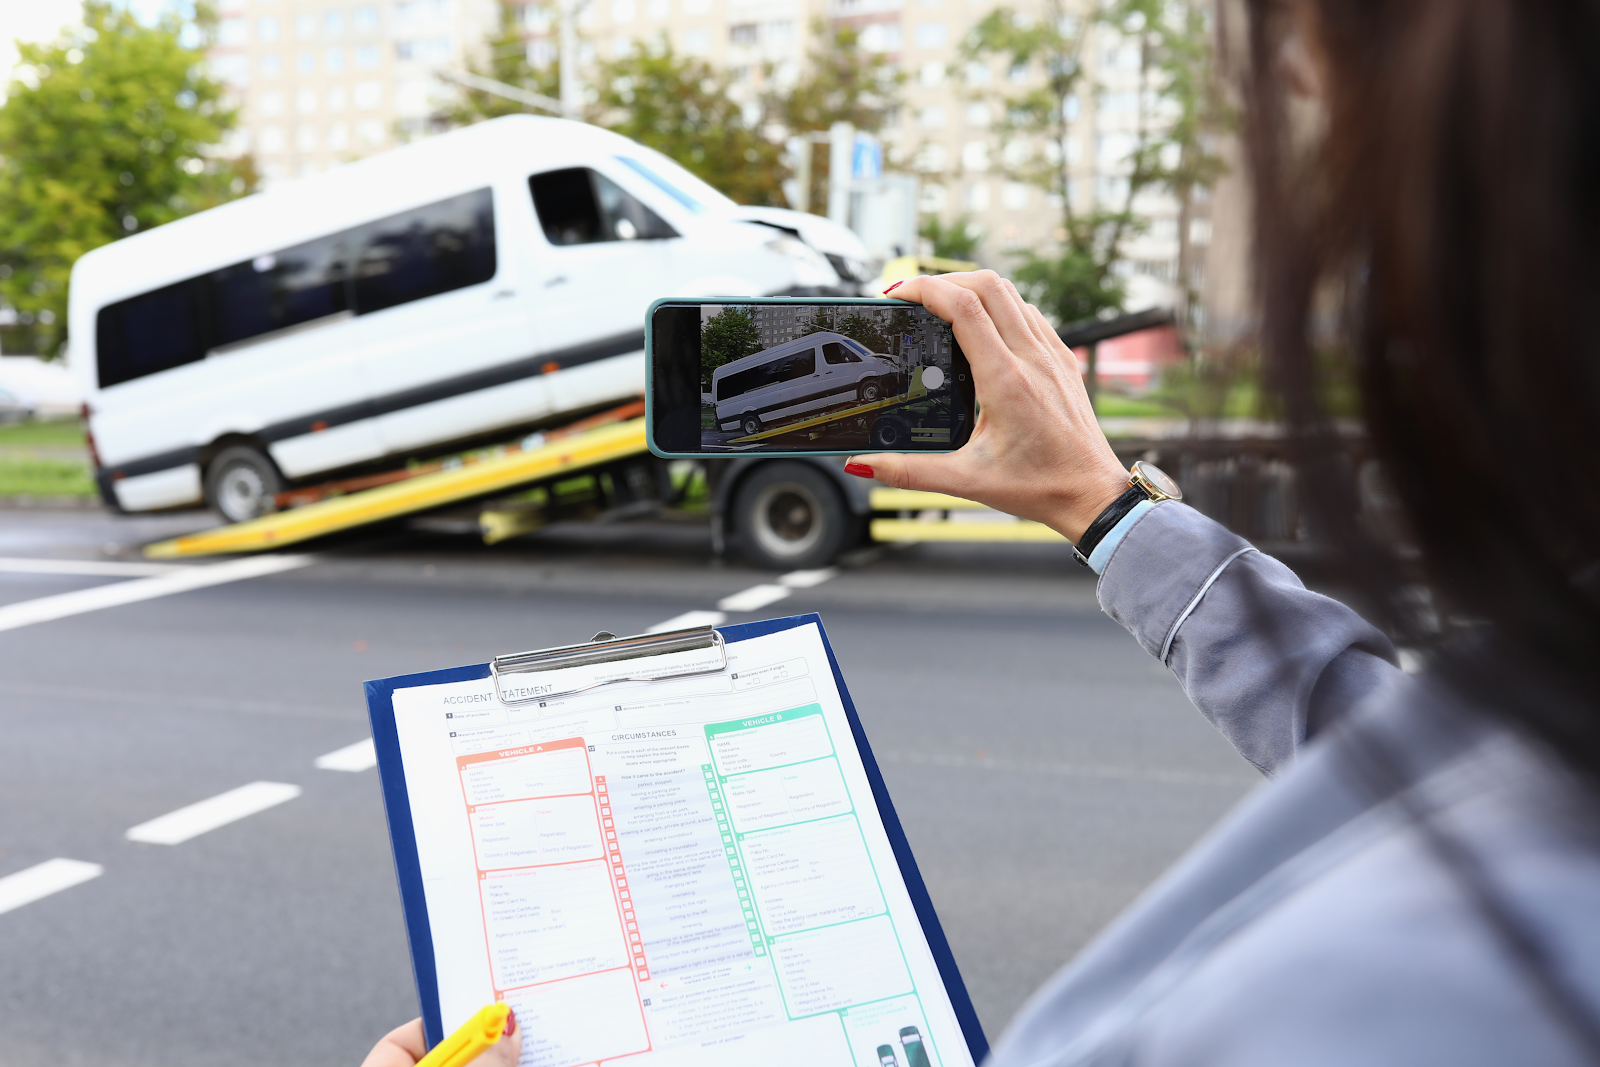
1046, 769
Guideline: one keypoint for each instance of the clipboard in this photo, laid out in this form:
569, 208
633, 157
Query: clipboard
545, 675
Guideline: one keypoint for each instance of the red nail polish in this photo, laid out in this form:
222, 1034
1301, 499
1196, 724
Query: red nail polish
511, 1020
860, 470
895, 286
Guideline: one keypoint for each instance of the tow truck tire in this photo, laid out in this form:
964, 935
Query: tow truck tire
890, 432
241, 482
751, 425
871, 390
790, 516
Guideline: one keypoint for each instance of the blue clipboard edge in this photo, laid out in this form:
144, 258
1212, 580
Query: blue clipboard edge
408, 868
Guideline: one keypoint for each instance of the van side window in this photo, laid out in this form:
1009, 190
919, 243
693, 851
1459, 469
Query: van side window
581, 206
834, 352
800, 365
273, 292
424, 252
415, 254
151, 332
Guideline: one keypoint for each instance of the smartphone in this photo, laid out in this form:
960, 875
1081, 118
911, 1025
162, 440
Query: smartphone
803, 376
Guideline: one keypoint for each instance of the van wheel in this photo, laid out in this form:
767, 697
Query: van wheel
889, 432
241, 483
871, 390
790, 516
751, 425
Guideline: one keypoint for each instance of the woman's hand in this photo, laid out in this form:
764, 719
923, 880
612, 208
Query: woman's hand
405, 1045
1036, 451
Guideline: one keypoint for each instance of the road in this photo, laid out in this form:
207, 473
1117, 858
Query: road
1045, 768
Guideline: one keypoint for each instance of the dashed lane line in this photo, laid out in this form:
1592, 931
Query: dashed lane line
753, 599
45, 609
361, 756
43, 879
176, 827
688, 619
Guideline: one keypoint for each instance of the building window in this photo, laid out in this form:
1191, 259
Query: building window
305, 26
930, 35
931, 117
744, 33
333, 22
975, 156
233, 31
267, 29
336, 98
696, 42
932, 74
368, 95
978, 115
307, 62
367, 56
881, 37
269, 104
1014, 196
305, 101
333, 60
365, 19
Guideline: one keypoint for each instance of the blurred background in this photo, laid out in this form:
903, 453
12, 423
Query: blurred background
157, 651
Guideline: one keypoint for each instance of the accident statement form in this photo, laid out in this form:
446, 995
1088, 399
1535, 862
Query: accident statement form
689, 871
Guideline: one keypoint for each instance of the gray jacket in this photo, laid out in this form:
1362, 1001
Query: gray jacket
1325, 921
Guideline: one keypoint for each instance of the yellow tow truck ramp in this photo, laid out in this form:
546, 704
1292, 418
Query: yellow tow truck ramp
513, 469
936, 517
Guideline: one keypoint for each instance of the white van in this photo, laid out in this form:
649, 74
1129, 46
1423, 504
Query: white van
808, 374
487, 279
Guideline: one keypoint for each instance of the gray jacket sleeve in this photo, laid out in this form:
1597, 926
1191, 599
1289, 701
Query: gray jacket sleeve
1265, 659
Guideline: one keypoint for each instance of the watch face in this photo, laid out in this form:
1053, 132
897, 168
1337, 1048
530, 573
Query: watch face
1159, 480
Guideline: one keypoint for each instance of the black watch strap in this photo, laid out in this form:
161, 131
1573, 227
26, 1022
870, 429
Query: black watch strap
1106, 521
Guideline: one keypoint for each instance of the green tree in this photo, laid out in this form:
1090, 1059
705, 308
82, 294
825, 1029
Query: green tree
683, 108
840, 83
507, 64
728, 335
958, 240
1177, 114
108, 130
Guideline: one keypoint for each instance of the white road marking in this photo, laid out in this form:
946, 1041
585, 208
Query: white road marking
753, 599
79, 601
43, 879
100, 568
688, 619
176, 827
361, 756
807, 579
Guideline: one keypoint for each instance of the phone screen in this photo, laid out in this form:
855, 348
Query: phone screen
790, 376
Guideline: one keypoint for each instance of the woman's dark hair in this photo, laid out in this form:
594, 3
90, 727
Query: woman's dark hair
1441, 211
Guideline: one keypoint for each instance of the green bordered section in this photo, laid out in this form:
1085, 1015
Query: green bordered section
733, 846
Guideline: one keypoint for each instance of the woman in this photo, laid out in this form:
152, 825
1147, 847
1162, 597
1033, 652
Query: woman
1421, 882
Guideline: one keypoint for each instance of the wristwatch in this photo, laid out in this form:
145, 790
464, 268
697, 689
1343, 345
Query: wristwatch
1145, 482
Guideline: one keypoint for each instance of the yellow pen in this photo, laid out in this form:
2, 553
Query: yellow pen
476, 1034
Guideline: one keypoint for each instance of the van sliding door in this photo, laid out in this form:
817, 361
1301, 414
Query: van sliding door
444, 324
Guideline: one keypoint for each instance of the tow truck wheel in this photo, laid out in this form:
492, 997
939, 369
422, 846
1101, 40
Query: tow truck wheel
871, 390
241, 482
790, 516
751, 425
890, 432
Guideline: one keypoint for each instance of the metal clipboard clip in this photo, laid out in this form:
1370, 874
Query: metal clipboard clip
609, 648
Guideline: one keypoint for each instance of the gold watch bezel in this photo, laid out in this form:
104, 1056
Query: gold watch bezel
1137, 477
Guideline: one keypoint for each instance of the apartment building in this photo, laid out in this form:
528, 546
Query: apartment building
320, 82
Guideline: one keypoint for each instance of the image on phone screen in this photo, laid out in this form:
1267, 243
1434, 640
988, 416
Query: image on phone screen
789, 376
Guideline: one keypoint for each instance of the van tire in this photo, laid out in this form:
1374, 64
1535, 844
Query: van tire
241, 483
791, 516
870, 390
891, 433
750, 424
